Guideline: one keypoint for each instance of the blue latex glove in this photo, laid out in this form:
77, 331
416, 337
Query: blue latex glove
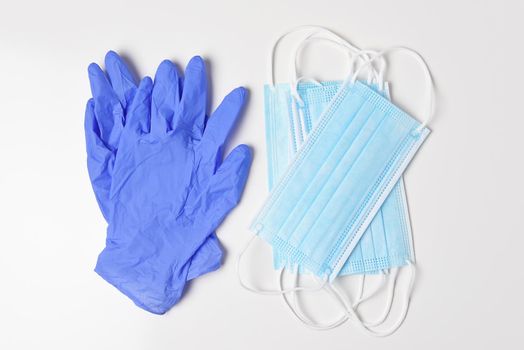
167, 195
106, 118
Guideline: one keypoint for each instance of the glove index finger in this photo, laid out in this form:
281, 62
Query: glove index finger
107, 108
219, 128
224, 118
91, 127
192, 111
120, 76
165, 98
139, 116
228, 182
101, 89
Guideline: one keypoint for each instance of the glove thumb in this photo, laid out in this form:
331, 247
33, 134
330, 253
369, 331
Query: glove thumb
99, 161
227, 184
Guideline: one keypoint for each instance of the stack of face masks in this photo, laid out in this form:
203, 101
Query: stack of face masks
336, 154
155, 163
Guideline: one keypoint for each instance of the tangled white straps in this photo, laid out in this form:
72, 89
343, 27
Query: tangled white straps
314, 31
350, 309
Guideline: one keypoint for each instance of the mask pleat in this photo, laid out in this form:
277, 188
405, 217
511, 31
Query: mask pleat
282, 210
322, 187
357, 178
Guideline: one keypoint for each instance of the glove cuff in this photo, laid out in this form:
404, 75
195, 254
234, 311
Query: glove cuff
156, 293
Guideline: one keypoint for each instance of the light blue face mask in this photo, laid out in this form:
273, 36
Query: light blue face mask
291, 111
398, 135
387, 241
339, 179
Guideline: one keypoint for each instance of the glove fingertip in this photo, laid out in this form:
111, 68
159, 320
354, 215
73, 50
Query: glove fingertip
117, 68
165, 73
147, 81
237, 165
242, 153
143, 94
90, 119
240, 92
195, 75
196, 62
145, 86
112, 57
244, 164
237, 96
90, 105
94, 69
165, 66
97, 80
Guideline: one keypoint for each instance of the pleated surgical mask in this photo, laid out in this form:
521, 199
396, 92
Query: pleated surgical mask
387, 242
292, 110
338, 181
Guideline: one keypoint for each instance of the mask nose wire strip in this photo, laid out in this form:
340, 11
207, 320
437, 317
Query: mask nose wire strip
311, 28
266, 291
430, 86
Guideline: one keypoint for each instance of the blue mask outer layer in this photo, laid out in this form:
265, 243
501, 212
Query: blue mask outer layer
339, 179
387, 242
169, 189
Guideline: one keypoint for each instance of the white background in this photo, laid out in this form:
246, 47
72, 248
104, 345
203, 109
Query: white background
464, 187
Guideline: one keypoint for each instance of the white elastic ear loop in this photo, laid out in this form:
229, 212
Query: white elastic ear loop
404, 310
361, 298
351, 314
429, 79
360, 295
297, 310
294, 89
347, 48
270, 292
391, 279
344, 45
318, 29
